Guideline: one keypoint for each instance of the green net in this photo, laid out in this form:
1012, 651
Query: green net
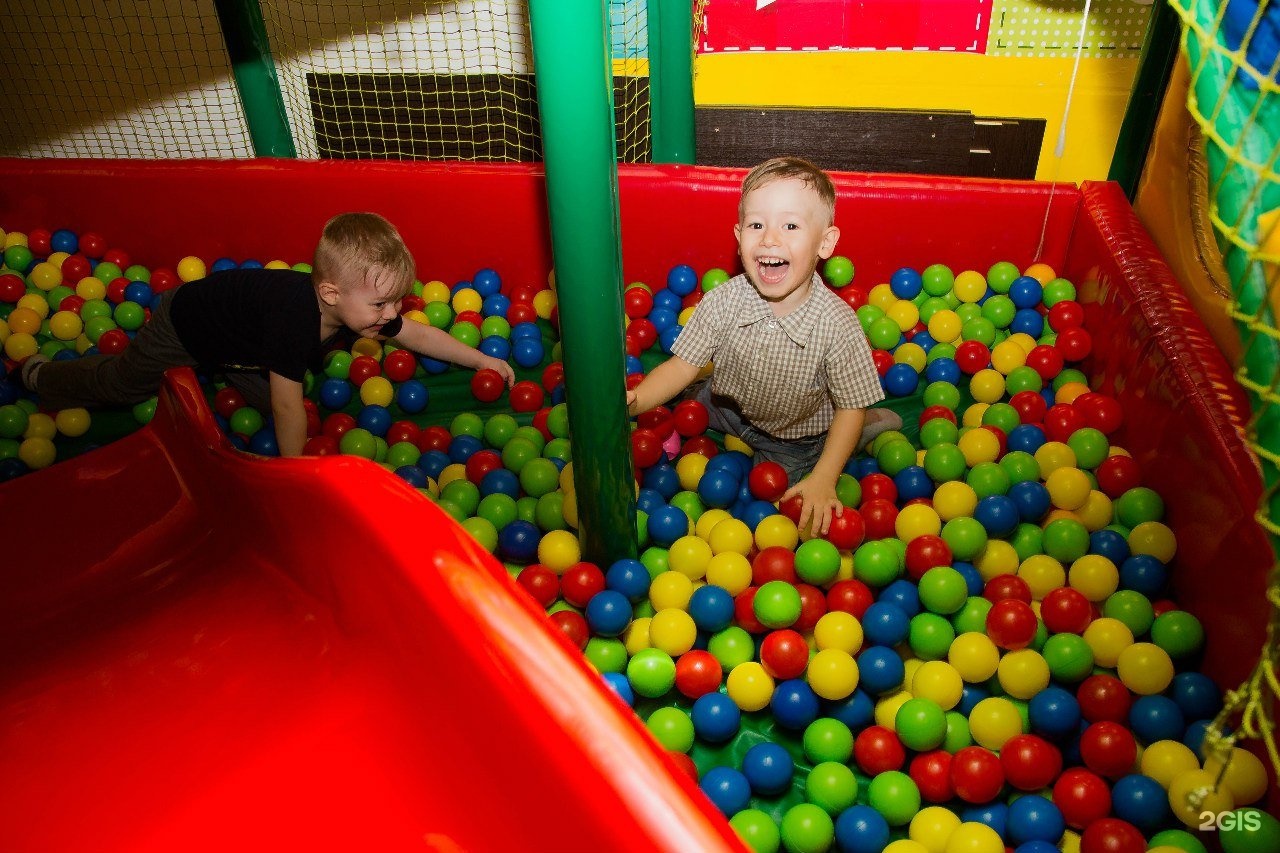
1233, 50
148, 79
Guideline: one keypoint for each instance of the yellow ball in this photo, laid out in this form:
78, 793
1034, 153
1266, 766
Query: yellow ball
466, 299
1053, 455
1068, 487
37, 452
1043, 574
708, 520
1024, 341
1007, 356
25, 321
945, 326
1023, 673
670, 590
904, 313
72, 423
1068, 392
1094, 576
1164, 760
732, 442
777, 530
1155, 539
731, 535
1246, 776
36, 303
970, 286
993, 721
45, 276
191, 268
932, 827
915, 521
833, 674
1145, 668
838, 630
730, 571
40, 425
417, 317
1097, 511
955, 499
277, 265
1041, 272
1107, 638
974, 837
987, 386
367, 346
882, 296
689, 555
912, 354
996, 558
1198, 784
20, 345
451, 472
905, 845
690, 468
939, 682
91, 287
886, 710
66, 325
749, 686
570, 509
978, 446
673, 631
558, 550
566, 479
15, 238
435, 291
974, 657
544, 302
376, 391
636, 637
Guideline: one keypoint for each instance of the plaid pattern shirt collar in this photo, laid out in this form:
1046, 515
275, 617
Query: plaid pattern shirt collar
798, 324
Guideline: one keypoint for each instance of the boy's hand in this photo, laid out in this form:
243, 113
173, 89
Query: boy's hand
504, 370
631, 402
818, 502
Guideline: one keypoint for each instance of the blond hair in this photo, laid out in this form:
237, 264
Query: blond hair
354, 244
785, 168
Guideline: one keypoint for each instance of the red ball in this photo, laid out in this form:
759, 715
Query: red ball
698, 673
1061, 421
878, 487
684, 764
541, 583
363, 367
744, 614
580, 582
1011, 624
38, 242
646, 448
1163, 606
1066, 315
784, 654
487, 385
523, 294
1046, 361
1082, 797
76, 267
634, 380
553, 376
932, 412
120, 258
1030, 762
658, 421
527, 396
227, 401
926, 552
403, 431
855, 296
699, 444
1074, 344
882, 360
1108, 749
72, 303
1066, 611
115, 290
540, 422
880, 517
692, 298
690, 418
1000, 436
1104, 698
320, 445
92, 244
792, 507
1112, 835
1030, 406
1117, 475
434, 438
637, 302
399, 365
1101, 411
972, 356
475, 318
878, 750
573, 626
336, 425
976, 775
813, 606
774, 563
480, 463
767, 481
931, 771
521, 312
850, 596
12, 288
411, 302
644, 332
847, 530
113, 342
1003, 587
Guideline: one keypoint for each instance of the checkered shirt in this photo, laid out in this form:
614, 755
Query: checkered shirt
786, 374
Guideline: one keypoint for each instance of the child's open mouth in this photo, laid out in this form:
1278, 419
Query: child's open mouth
772, 270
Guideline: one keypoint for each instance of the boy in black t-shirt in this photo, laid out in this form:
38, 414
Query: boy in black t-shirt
265, 328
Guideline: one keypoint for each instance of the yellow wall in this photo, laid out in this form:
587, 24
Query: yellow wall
1004, 86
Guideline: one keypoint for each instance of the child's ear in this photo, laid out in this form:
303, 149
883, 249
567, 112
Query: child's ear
329, 292
737, 232
829, 239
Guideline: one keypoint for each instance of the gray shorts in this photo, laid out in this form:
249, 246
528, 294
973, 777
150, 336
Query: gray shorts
797, 456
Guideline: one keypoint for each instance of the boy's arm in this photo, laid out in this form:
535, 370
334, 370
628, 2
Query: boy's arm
818, 490
290, 416
437, 343
667, 380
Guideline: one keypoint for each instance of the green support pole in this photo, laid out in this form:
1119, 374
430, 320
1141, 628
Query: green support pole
1159, 50
671, 80
575, 100
246, 37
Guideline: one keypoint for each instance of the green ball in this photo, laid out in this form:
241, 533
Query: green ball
1001, 275
832, 787
1071, 374
55, 296
838, 271
1003, 416
518, 452
848, 491
462, 492
499, 429
1178, 838
107, 272
651, 672
9, 448
1069, 657
129, 316
483, 532
671, 726
1252, 831
467, 423
247, 420
495, 327
96, 327
146, 410
533, 436
930, 636
713, 278
967, 311
439, 314
944, 462
987, 479
943, 590
498, 509
608, 654
867, 315
895, 796
1137, 505
966, 537
337, 365
527, 509
1022, 379
655, 560
942, 394
558, 448
548, 511
137, 272
539, 476
13, 421
932, 305
876, 563
958, 735
937, 279
1066, 540
817, 562
1132, 608
466, 333
642, 528
1090, 445
18, 258
1027, 540
999, 311
777, 604
979, 329
94, 308
940, 351
1021, 467
690, 503
1058, 290
451, 509
828, 739
380, 449
972, 616
884, 334
757, 830
921, 724
807, 828
938, 431
731, 647
558, 420
403, 453
894, 456
1178, 633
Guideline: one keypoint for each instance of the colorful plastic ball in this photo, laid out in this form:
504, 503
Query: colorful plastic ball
794, 704
558, 550
921, 724
880, 670
728, 790
1141, 801
1053, 712
519, 542
833, 674
1145, 668
861, 829
777, 604
993, 721
1178, 633
1108, 749
976, 775
651, 672
768, 768
716, 718
749, 686
1011, 624
608, 613
1082, 797
1196, 694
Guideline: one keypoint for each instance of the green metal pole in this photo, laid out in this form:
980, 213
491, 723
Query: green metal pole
1159, 50
245, 34
575, 100
671, 80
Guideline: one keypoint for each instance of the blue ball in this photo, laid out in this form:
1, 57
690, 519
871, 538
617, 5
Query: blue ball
1034, 818
994, 815
434, 366
634, 365
1028, 321
528, 352
924, 340
663, 479
486, 281
1154, 718
64, 240
716, 717
1030, 499
60, 355
1194, 738
1054, 713
1109, 544
856, 710
649, 501
972, 577
139, 292
881, 670
1196, 694
1141, 801
495, 305
527, 329
768, 768
500, 481
495, 346
629, 577
682, 280
711, 607
943, 369
913, 482
743, 462
885, 624
728, 790
667, 524
999, 514
971, 695
794, 704
861, 829
1026, 292
608, 612
901, 380
666, 300
902, 594
1145, 574
906, 283
462, 447
668, 338
263, 442
621, 685
223, 264
662, 319
757, 511
412, 396
719, 488
1036, 847
518, 541
335, 394
433, 462
413, 475
1026, 437
251, 264
12, 467
376, 419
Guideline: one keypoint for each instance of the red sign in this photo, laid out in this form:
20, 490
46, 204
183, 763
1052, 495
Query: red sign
743, 25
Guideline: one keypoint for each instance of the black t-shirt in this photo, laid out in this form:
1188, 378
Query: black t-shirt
256, 319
